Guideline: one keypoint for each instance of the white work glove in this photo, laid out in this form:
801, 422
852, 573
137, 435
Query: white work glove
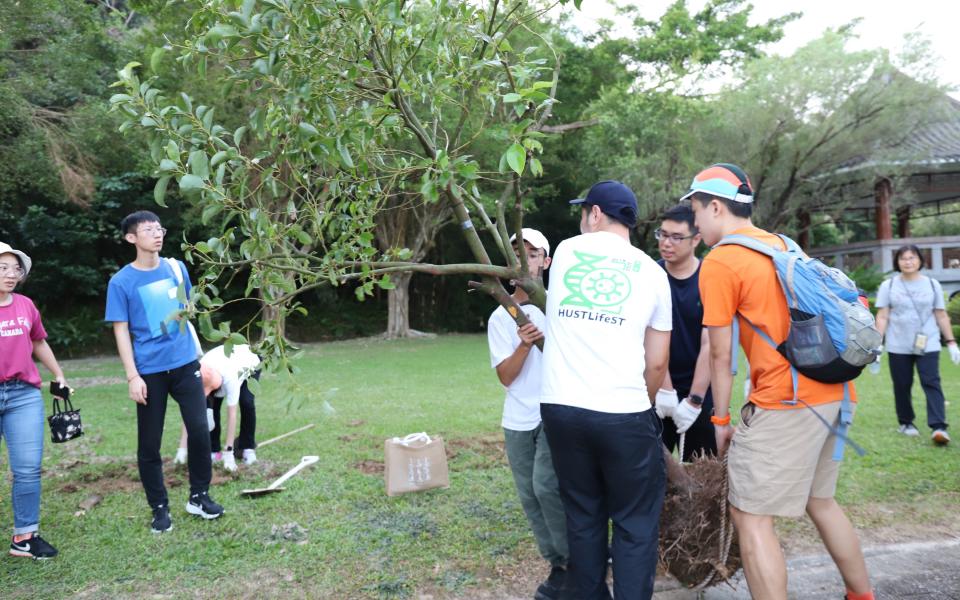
954, 353
684, 415
666, 402
210, 423
181, 457
875, 365
229, 462
747, 386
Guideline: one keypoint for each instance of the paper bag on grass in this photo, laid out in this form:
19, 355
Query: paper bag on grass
414, 463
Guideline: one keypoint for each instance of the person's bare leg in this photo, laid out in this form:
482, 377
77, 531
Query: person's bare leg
763, 562
842, 542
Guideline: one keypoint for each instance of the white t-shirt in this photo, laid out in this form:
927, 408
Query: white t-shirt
911, 306
234, 369
521, 408
604, 293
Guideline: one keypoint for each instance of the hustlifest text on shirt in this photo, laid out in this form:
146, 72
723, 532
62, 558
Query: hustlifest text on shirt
589, 315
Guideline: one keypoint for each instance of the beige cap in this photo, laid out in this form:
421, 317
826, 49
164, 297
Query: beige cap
25, 261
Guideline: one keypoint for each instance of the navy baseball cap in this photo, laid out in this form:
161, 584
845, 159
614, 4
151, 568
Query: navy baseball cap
615, 199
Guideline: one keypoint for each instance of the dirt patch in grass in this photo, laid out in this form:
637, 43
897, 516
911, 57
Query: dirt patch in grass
478, 452
110, 476
370, 467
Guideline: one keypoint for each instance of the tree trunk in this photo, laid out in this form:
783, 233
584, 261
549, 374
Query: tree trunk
398, 307
273, 315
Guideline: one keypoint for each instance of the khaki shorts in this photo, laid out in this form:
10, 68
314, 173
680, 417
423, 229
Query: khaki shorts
778, 459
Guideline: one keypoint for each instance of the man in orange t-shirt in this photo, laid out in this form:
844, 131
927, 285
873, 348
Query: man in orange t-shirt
780, 456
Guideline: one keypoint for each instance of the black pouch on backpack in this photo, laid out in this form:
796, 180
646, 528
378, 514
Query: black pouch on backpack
65, 424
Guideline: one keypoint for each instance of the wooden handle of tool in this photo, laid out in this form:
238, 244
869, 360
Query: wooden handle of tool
280, 437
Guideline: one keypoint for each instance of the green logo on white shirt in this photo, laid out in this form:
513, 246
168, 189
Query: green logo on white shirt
591, 285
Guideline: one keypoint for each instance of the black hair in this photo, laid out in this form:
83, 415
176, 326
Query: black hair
681, 214
903, 250
738, 209
130, 222
627, 216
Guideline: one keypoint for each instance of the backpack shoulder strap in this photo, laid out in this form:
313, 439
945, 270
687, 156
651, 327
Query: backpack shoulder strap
746, 241
175, 267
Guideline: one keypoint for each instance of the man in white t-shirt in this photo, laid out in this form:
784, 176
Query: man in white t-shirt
605, 355
225, 378
517, 359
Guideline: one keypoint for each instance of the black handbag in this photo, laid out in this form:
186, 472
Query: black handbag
65, 424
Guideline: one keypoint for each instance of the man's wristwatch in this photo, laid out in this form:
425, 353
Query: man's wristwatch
695, 400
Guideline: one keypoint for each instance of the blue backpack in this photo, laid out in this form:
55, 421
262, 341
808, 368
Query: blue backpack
833, 335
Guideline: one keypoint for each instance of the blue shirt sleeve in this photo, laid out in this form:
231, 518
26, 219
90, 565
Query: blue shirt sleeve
117, 310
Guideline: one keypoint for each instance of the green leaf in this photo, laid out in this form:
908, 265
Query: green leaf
345, 155
167, 165
535, 167
199, 164
209, 212
218, 158
160, 190
511, 98
308, 129
155, 59
221, 30
173, 151
116, 98
516, 158
190, 183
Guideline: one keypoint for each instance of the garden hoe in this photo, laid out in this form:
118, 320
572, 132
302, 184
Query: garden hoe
275, 486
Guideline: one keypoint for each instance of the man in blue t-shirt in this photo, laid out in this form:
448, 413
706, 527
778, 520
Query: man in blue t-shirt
684, 402
143, 301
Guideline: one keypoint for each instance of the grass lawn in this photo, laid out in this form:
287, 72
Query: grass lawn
333, 533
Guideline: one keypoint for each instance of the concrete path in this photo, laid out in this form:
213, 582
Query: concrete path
914, 571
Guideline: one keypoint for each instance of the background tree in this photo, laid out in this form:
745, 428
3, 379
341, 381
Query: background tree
795, 123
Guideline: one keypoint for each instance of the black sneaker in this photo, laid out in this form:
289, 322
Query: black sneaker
551, 588
34, 547
201, 505
161, 519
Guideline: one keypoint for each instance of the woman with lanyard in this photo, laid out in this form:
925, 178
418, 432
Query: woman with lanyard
22, 338
912, 315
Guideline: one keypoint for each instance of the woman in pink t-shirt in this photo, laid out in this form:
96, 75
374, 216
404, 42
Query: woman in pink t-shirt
22, 338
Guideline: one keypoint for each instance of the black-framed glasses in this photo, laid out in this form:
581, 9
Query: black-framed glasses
673, 237
8, 271
153, 231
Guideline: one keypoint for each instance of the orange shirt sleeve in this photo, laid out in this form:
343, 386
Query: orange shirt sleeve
719, 293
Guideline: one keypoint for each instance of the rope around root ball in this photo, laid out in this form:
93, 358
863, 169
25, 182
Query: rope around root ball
726, 528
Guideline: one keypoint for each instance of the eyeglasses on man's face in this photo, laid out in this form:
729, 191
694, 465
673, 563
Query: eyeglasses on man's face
14, 271
153, 231
676, 238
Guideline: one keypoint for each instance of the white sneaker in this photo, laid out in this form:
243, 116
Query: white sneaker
181, 457
940, 437
908, 430
229, 462
249, 456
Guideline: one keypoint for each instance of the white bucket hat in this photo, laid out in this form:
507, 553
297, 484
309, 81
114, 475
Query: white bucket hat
25, 261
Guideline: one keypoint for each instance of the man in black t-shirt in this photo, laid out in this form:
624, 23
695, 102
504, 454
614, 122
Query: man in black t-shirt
684, 402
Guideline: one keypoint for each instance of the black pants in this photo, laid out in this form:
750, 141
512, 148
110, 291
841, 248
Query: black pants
609, 467
184, 384
248, 422
928, 367
701, 437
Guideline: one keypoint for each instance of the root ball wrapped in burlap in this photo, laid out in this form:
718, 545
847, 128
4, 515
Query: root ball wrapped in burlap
698, 544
